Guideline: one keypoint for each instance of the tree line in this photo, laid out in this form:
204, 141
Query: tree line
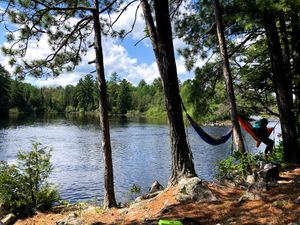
123, 96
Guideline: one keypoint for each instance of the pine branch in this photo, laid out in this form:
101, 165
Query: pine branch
123, 10
77, 27
176, 8
242, 43
63, 8
134, 22
258, 98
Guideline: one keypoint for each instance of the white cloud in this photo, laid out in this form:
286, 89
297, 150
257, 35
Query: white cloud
116, 56
4, 62
126, 21
143, 71
62, 80
116, 59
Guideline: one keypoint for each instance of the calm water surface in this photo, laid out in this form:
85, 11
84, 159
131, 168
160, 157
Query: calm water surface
141, 151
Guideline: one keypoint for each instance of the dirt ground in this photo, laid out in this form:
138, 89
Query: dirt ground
276, 207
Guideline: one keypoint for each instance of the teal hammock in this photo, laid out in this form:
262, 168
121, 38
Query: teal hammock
205, 136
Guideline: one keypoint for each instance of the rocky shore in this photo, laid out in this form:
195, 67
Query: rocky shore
268, 197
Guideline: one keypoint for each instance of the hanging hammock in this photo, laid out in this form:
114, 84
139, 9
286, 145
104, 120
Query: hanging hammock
205, 136
249, 128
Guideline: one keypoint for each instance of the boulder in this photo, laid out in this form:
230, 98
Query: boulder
228, 182
147, 196
270, 172
155, 189
297, 200
250, 196
254, 191
156, 186
261, 164
8, 219
258, 187
196, 190
250, 179
183, 198
72, 219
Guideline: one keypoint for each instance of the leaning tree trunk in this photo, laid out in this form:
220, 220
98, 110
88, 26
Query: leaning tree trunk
283, 88
161, 38
237, 134
109, 194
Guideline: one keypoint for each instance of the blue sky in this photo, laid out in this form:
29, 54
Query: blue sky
131, 62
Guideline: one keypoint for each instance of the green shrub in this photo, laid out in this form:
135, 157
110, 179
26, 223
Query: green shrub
134, 191
226, 167
156, 111
237, 166
277, 153
70, 109
24, 186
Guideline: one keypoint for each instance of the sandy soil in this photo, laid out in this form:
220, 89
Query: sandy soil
276, 207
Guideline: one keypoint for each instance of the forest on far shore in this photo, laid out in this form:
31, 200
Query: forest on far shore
123, 98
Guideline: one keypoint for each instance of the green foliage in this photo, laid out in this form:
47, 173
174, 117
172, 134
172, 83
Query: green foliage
237, 166
68, 40
25, 97
112, 92
204, 96
134, 191
145, 99
249, 63
124, 97
4, 90
143, 96
277, 153
24, 186
86, 93
156, 112
226, 167
70, 109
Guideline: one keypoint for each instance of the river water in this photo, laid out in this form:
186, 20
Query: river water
141, 151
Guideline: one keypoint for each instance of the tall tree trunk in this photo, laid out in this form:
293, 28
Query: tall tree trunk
162, 42
295, 22
109, 193
283, 90
285, 47
237, 134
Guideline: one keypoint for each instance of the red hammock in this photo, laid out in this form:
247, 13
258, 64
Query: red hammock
248, 127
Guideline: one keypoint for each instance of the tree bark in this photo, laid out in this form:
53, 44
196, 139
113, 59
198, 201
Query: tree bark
109, 194
237, 134
295, 22
283, 90
285, 50
162, 42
